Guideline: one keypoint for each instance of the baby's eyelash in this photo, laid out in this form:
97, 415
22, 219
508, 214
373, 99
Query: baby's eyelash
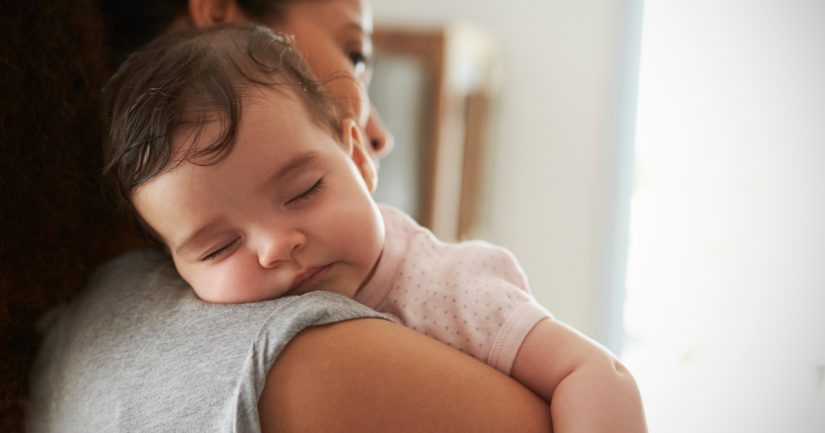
220, 252
306, 195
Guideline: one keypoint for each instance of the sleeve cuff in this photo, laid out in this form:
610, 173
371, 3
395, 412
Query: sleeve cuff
512, 334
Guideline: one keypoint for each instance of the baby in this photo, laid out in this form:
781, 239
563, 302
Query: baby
234, 161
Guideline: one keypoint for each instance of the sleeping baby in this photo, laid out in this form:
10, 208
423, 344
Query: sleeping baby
236, 163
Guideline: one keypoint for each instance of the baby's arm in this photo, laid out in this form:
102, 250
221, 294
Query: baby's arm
588, 389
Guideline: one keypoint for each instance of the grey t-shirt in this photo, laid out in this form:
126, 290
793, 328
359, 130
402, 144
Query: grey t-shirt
138, 351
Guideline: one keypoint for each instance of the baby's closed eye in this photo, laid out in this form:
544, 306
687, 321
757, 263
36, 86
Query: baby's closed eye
306, 195
221, 251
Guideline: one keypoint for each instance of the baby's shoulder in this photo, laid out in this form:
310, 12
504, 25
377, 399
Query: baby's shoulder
473, 263
428, 261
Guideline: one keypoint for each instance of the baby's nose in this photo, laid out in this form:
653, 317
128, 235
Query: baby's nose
279, 247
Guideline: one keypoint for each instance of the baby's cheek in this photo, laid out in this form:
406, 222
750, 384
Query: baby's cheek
242, 279
211, 287
222, 283
366, 243
235, 284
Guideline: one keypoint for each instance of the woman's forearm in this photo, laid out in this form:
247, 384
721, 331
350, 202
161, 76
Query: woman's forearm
371, 375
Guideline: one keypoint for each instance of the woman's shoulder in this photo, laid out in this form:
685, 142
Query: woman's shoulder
137, 350
142, 267
136, 260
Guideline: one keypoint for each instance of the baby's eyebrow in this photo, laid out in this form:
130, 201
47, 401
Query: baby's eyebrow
299, 161
190, 240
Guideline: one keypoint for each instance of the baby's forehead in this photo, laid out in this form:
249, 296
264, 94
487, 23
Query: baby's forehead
206, 135
276, 144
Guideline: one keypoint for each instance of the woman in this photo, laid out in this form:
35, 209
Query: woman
333, 36
344, 376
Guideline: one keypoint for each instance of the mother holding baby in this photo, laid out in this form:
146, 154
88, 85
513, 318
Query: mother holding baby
136, 350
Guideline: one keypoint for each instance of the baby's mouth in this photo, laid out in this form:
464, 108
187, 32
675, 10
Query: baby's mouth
305, 281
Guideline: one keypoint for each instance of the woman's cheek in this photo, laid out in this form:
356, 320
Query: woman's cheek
363, 109
350, 96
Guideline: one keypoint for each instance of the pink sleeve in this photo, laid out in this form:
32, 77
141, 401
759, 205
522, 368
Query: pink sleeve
520, 312
512, 334
472, 296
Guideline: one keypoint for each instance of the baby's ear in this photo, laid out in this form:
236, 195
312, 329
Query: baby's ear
355, 146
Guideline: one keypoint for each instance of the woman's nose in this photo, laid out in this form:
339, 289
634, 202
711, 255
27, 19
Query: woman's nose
381, 139
279, 247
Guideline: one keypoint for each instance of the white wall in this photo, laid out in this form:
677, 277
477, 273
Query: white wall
555, 168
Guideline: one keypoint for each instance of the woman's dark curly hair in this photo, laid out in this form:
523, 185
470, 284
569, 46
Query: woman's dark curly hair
54, 225
131, 24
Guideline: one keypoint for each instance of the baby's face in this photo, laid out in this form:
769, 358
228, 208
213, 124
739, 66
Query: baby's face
287, 212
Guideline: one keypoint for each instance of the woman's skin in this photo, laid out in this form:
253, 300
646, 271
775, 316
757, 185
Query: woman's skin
369, 375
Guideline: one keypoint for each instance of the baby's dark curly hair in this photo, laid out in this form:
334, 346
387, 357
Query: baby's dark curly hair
188, 79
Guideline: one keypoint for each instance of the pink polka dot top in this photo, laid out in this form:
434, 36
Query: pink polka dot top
472, 296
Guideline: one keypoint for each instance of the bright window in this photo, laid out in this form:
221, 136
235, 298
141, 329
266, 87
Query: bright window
726, 270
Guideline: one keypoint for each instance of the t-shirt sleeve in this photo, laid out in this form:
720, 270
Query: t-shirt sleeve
138, 351
297, 313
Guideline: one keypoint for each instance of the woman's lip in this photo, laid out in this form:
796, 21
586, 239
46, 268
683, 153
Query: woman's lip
306, 280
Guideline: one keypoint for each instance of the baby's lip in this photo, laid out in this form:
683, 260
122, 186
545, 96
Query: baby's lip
305, 279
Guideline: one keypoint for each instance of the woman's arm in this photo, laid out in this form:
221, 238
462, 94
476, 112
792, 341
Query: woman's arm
369, 375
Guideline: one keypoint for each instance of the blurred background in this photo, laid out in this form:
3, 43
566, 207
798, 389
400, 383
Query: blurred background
658, 168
